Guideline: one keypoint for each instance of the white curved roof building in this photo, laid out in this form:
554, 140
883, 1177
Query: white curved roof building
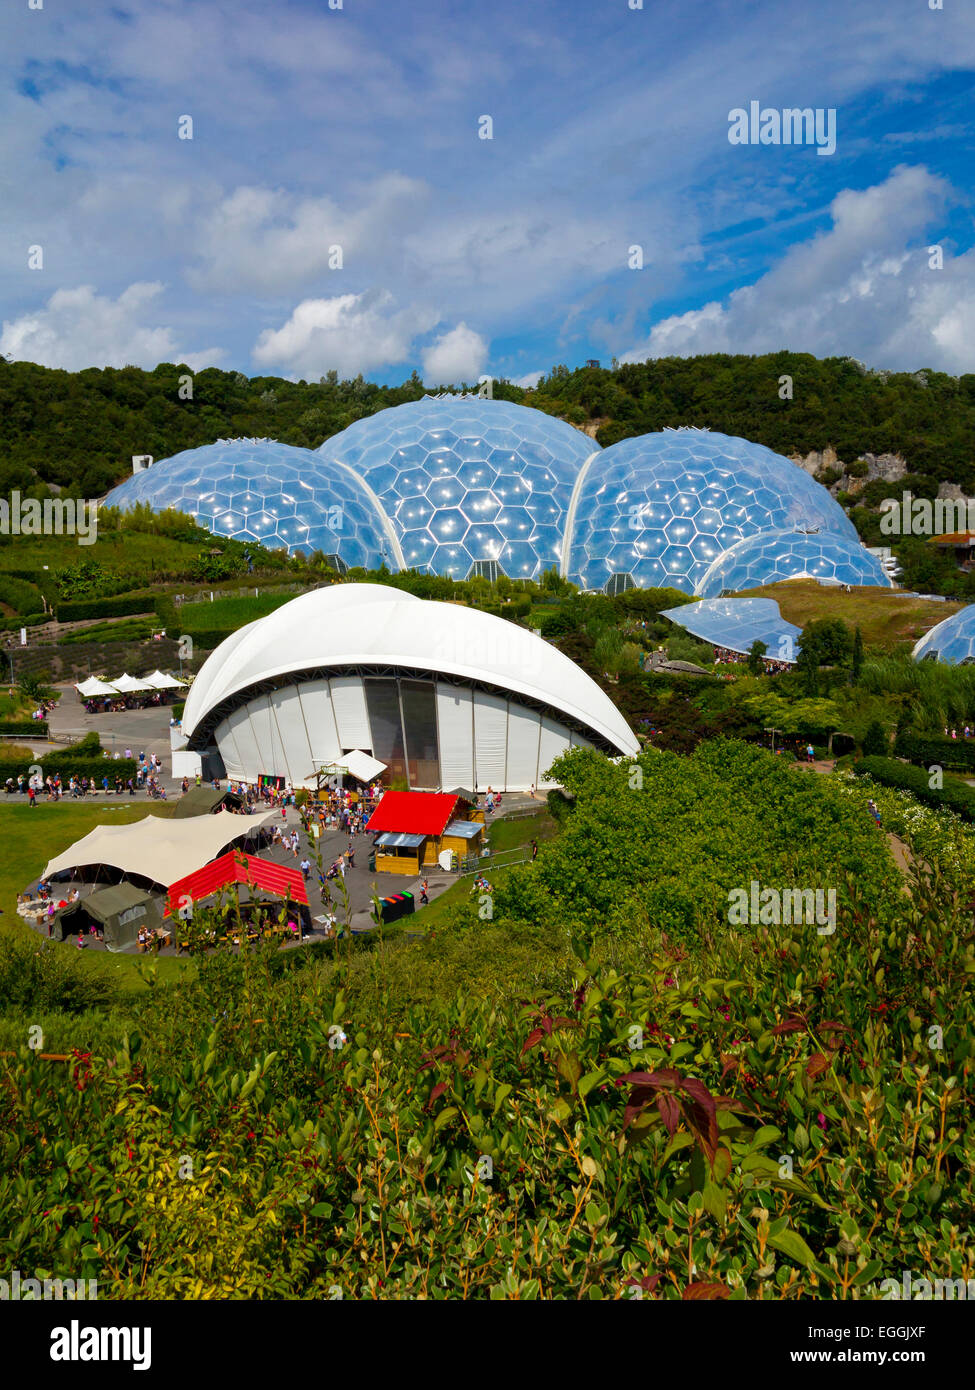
444, 695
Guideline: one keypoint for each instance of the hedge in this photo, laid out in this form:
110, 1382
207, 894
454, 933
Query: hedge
36, 728
206, 638
104, 608
84, 759
932, 751
953, 796
69, 766
22, 596
25, 620
132, 630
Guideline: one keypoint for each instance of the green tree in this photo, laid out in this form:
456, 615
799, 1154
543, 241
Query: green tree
875, 740
856, 663
756, 652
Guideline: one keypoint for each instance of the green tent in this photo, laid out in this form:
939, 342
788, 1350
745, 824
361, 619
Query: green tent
120, 910
200, 801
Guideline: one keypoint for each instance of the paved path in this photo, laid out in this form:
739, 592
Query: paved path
142, 730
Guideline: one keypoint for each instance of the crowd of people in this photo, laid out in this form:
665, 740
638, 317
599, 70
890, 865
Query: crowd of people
723, 656
118, 704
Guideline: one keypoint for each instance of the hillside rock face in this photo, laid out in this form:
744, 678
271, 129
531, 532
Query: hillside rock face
890, 467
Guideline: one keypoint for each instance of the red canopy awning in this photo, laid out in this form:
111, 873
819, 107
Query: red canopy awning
237, 867
413, 813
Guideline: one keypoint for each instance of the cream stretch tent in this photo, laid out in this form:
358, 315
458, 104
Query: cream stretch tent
159, 849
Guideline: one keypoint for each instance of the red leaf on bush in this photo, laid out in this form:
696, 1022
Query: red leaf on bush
438, 1091
669, 1112
666, 1076
533, 1039
698, 1291
817, 1063
791, 1025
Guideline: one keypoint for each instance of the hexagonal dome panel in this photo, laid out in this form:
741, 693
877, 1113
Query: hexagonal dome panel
660, 507
288, 498
773, 556
488, 458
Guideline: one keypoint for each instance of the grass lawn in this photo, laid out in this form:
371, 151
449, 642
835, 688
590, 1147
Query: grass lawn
505, 835
230, 612
31, 838
512, 834
131, 552
884, 619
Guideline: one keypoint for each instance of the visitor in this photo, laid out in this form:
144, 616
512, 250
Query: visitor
534, 850
424, 898
810, 752
305, 867
351, 855
31, 794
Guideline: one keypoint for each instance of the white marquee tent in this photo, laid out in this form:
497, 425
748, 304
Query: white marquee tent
128, 685
156, 848
158, 680
93, 687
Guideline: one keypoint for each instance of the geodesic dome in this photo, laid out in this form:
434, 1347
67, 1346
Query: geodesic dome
952, 640
660, 509
776, 555
468, 483
260, 490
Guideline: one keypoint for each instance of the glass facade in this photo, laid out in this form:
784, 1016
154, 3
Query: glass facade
385, 721
419, 705
403, 721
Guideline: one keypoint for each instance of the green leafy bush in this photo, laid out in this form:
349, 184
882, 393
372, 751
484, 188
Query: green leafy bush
953, 796
956, 754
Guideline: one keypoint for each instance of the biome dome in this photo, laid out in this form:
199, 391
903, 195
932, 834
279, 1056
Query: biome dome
461, 486
469, 484
772, 556
260, 490
660, 508
952, 640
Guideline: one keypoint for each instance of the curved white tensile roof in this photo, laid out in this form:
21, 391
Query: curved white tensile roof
371, 624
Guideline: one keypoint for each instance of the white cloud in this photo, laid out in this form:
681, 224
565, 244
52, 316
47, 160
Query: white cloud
349, 333
865, 283
529, 381
457, 355
79, 328
267, 240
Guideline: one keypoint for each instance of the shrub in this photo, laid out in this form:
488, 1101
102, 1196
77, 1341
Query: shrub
875, 742
72, 612
958, 755
21, 596
953, 796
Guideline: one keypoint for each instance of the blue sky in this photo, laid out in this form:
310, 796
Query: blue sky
357, 128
